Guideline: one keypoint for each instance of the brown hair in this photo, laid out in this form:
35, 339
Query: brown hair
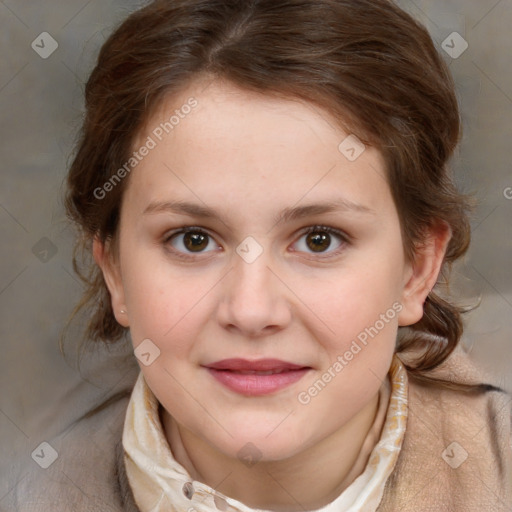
367, 62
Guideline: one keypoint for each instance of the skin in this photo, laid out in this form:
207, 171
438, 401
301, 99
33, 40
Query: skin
248, 157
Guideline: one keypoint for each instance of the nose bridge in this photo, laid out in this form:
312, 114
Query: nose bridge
253, 300
251, 275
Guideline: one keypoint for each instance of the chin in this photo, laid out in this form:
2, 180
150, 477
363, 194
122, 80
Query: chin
257, 445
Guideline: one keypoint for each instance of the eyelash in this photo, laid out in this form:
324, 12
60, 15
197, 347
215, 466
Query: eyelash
345, 240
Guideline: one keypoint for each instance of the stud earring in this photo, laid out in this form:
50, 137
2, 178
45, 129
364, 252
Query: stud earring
122, 311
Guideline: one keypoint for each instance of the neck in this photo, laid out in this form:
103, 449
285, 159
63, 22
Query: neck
309, 479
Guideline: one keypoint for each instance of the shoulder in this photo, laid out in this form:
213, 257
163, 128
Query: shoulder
486, 409
457, 452
76, 470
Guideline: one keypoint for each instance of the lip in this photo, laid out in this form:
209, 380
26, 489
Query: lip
245, 377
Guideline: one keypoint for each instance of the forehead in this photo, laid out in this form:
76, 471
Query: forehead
226, 113
236, 141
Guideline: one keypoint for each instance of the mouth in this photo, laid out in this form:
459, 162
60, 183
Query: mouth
256, 378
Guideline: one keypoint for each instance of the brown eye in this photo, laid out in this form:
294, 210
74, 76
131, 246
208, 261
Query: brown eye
318, 241
195, 242
190, 241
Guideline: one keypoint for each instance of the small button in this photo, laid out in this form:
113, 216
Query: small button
188, 490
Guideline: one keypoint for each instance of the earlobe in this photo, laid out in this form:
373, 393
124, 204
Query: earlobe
422, 274
112, 276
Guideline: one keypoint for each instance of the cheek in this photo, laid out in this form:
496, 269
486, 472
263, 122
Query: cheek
347, 302
356, 320
166, 307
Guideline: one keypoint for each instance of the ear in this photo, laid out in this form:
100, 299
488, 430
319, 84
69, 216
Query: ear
421, 275
112, 274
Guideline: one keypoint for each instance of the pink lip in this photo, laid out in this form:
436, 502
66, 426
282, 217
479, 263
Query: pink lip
229, 373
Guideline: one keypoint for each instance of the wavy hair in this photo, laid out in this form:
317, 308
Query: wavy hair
367, 62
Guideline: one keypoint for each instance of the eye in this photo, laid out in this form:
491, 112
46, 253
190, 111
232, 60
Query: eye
316, 239
320, 239
191, 240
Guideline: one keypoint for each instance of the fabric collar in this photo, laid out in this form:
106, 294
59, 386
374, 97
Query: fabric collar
159, 483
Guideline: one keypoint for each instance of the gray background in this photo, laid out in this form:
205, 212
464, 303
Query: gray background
41, 106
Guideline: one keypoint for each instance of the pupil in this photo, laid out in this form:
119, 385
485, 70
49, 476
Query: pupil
195, 241
319, 241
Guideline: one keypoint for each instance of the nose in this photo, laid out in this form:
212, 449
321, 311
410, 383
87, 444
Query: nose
254, 300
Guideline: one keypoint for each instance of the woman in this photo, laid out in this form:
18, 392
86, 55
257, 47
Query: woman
265, 191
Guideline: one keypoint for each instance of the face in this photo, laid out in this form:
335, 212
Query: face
246, 233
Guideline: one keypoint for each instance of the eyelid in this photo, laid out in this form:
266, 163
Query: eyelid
329, 229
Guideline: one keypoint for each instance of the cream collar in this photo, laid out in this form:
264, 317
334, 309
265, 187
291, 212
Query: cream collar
160, 484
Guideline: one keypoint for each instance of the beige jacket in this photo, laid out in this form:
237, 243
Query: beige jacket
456, 456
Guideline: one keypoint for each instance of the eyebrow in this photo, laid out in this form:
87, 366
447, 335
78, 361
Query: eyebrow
287, 215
